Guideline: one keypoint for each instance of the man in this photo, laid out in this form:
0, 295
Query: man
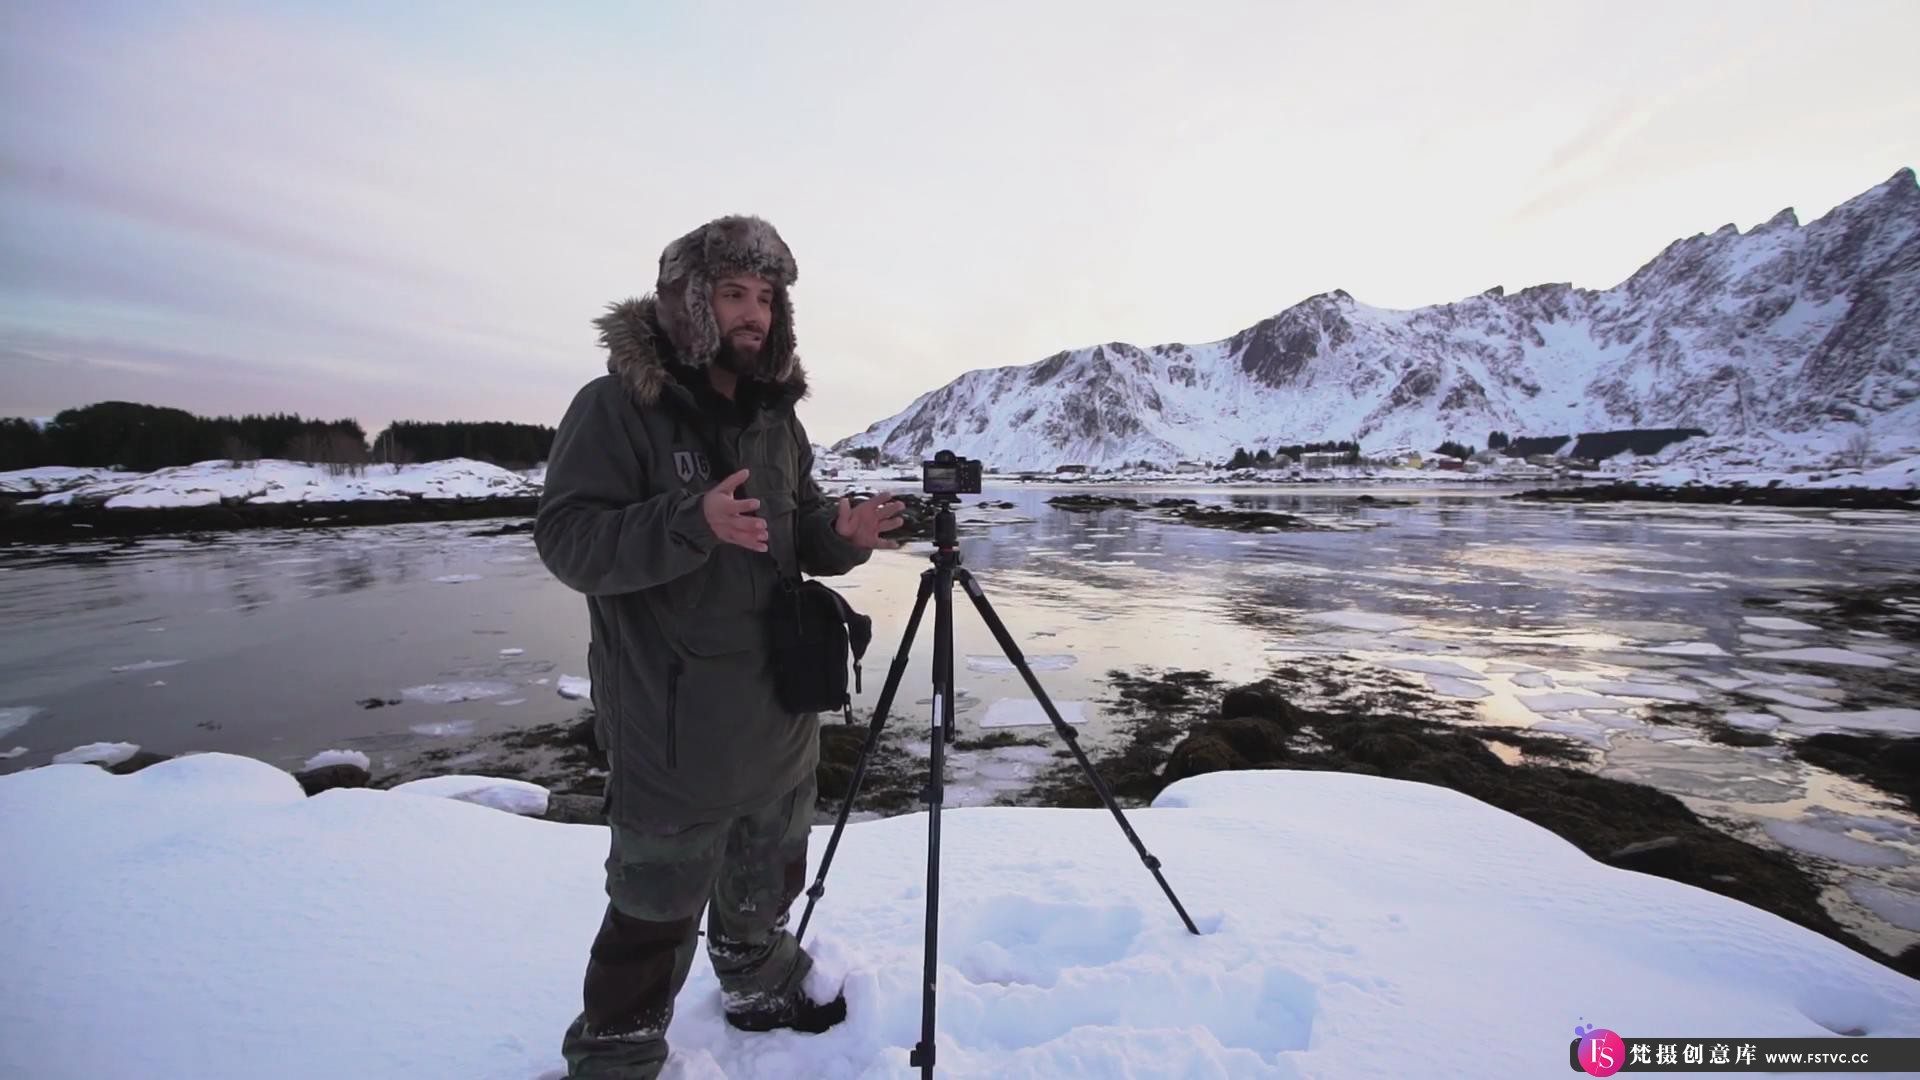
678, 490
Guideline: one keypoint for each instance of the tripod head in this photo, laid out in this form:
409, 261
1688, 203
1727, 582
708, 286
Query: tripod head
946, 531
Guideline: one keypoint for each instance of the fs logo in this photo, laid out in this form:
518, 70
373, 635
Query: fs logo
689, 464
1602, 1053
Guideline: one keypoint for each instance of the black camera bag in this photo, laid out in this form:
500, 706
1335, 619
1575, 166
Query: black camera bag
813, 630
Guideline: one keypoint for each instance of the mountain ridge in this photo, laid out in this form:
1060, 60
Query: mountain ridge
1799, 333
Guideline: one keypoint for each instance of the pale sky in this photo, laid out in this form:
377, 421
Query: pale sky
412, 211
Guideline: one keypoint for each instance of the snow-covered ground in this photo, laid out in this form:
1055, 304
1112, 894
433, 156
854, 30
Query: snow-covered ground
201, 918
51, 478
213, 482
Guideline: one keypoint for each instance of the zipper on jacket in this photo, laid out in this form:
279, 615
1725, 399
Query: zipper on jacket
673, 714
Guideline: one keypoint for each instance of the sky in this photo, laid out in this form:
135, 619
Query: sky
415, 211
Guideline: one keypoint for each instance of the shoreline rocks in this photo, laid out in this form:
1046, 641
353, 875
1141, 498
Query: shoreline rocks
1733, 495
40, 524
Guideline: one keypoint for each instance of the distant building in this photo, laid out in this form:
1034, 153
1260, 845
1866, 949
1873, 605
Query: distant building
1070, 469
1320, 460
1189, 467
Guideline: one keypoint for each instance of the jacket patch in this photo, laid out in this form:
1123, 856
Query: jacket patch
691, 463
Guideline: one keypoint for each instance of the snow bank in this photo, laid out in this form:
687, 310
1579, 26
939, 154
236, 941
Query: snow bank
48, 479
338, 757
213, 482
513, 796
1353, 927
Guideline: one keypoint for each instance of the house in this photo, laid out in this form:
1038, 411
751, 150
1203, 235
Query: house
1069, 469
1189, 467
1448, 464
1320, 460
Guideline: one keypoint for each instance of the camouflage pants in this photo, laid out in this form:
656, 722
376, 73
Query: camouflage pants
745, 873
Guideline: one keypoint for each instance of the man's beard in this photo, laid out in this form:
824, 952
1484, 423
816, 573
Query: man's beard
742, 362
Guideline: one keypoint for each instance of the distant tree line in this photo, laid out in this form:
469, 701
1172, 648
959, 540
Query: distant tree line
1594, 445
510, 446
1348, 450
128, 435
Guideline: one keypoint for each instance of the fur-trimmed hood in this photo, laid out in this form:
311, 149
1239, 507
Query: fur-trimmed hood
639, 352
648, 338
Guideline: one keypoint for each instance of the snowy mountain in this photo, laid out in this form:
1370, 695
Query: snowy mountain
1804, 334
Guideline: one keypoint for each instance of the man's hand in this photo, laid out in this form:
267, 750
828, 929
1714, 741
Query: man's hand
731, 519
862, 525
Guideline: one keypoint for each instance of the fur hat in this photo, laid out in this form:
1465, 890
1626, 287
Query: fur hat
682, 307
721, 248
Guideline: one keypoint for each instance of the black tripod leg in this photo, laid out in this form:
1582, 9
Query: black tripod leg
923, 1055
1066, 731
880, 710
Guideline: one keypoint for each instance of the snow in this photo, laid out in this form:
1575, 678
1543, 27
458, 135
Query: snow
146, 665
15, 717
1362, 620
222, 920
1026, 712
271, 481
512, 796
1777, 622
1534, 680
338, 757
1751, 721
1826, 656
575, 687
456, 579
8, 755
101, 753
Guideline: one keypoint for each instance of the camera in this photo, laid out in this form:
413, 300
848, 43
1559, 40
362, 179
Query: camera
949, 474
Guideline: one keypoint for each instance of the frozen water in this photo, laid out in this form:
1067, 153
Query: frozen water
450, 693
443, 728
147, 665
338, 757
1778, 622
513, 796
1722, 682
1362, 620
1533, 680
1827, 656
1660, 691
1585, 730
575, 687
1433, 667
1026, 712
1567, 702
1786, 697
456, 579
513, 652
999, 664
1509, 667
1788, 678
1889, 721
1751, 721
1898, 906
15, 717
1449, 686
1687, 648
100, 753
1813, 840
1768, 641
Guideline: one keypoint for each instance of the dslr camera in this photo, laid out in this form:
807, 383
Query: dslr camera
949, 474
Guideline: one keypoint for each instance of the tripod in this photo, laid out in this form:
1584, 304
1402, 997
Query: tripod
937, 583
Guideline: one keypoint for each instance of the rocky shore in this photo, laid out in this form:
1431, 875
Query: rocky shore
33, 523
1735, 494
